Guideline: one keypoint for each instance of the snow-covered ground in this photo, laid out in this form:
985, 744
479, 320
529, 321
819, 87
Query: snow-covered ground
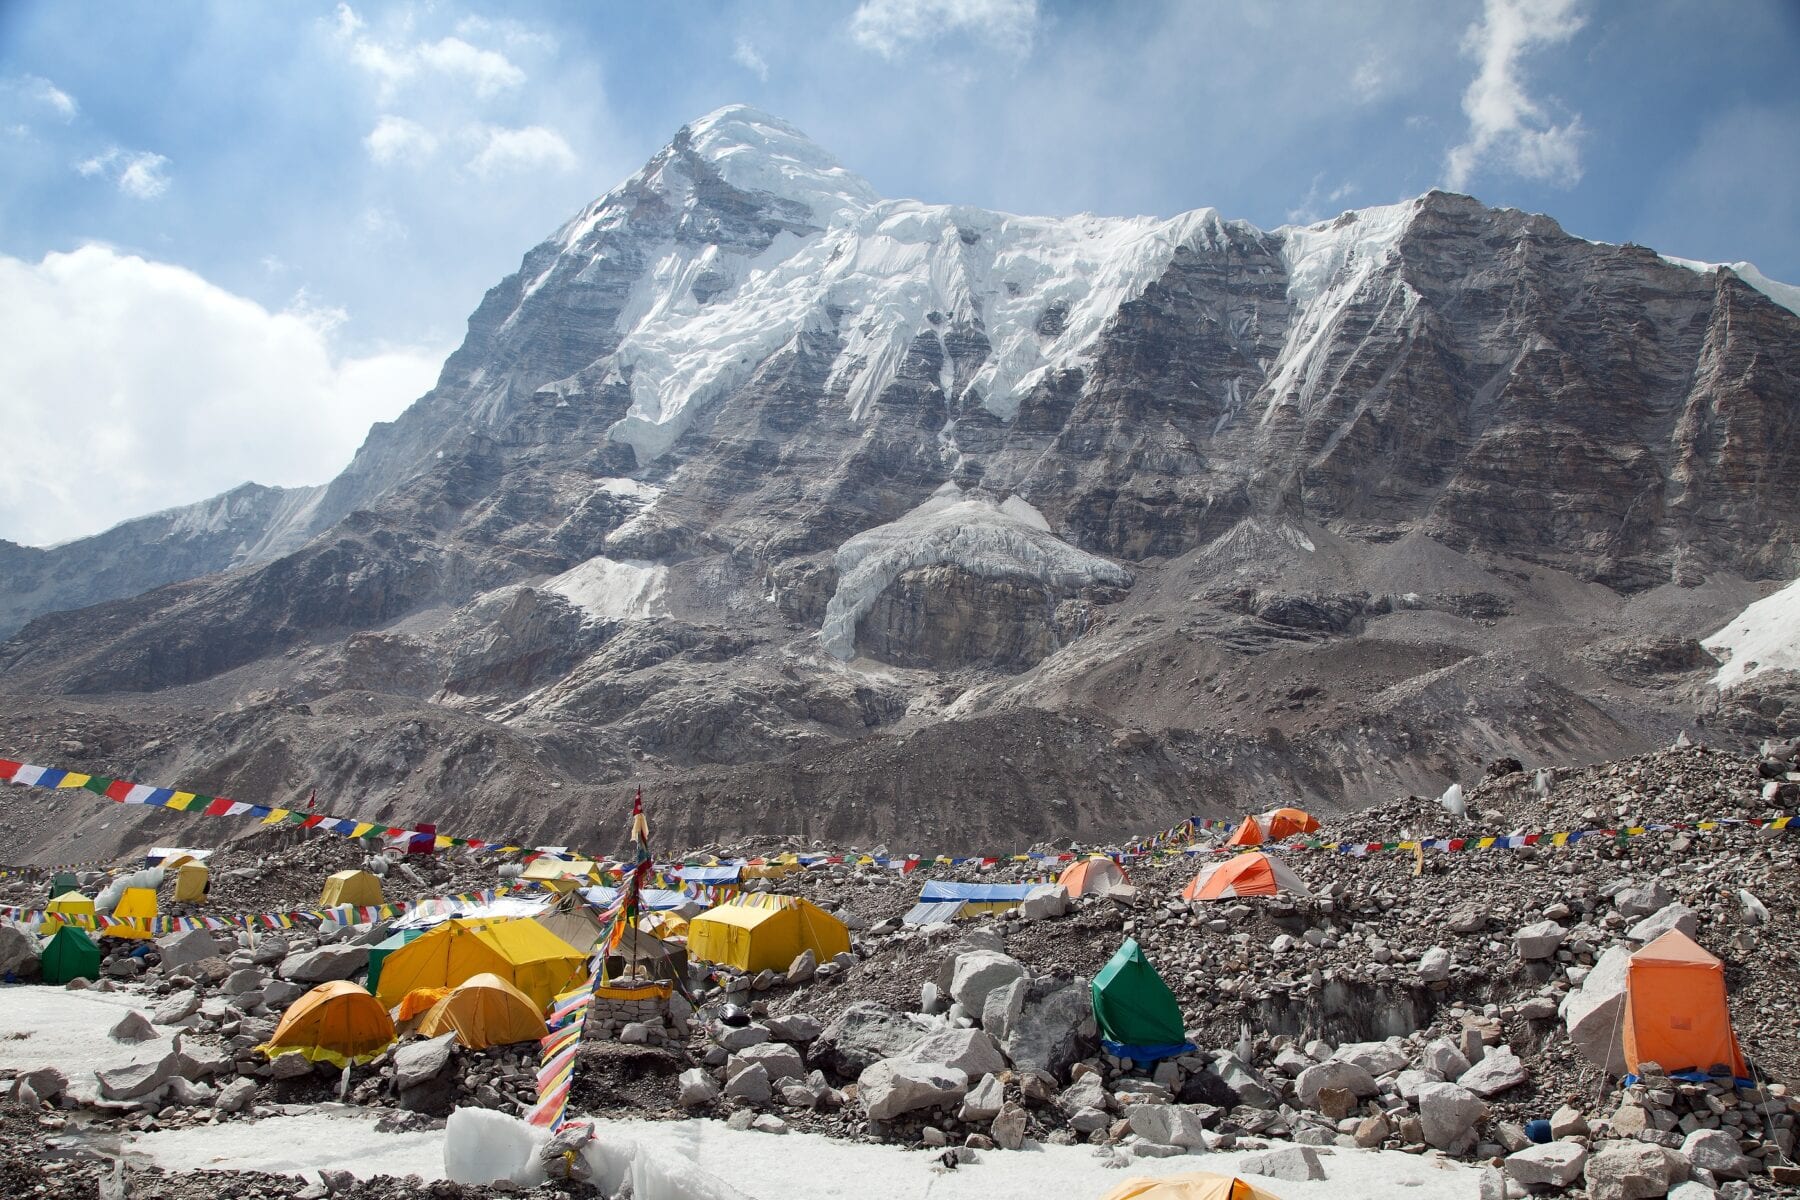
1764, 637
614, 591
798, 1166
49, 1027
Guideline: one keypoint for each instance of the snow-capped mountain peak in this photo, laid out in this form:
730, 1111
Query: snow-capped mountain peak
759, 153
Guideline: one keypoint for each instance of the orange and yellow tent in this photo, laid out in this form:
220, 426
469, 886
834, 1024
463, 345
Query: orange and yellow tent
1195, 1185
1284, 823
338, 1023
1091, 875
1253, 874
1247, 834
1675, 1010
517, 949
485, 1011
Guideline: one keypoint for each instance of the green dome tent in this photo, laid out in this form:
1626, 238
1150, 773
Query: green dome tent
71, 954
1135, 1009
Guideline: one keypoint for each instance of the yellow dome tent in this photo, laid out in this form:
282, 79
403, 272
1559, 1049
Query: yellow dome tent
756, 931
70, 908
485, 1011
137, 904
1194, 1185
338, 1023
190, 883
351, 887
517, 949
664, 925
560, 874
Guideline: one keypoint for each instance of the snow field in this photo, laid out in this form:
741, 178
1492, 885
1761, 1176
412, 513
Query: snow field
1764, 637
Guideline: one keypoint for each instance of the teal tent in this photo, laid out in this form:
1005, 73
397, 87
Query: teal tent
1135, 1009
70, 954
380, 950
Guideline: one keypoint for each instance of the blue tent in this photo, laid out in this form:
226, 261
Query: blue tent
650, 899
728, 873
978, 893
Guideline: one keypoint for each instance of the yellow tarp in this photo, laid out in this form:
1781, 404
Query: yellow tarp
517, 949
190, 883
485, 1011
77, 907
559, 874
664, 925
338, 1023
136, 904
351, 887
753, 932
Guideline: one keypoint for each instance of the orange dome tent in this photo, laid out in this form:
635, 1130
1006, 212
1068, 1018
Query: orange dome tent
1194, 1185
485, 1011
1284, 823
338, 1023
1675, 1011
1091, 875
1253, 874
1248, 834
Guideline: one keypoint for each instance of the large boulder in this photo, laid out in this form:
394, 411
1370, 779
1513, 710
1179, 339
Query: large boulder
1001, 1012
1333, 1073
1442, 1056
698, 1088
1377, 1058
1552, 1164
418, 1063
1627, 1171
983, 1101
1168, 1124
1448, 1114
1637, 902
134, 1026
18, 953
1595, 1012
1539, 941
181, 949
1434, 965
1498, 1070
978, 972
1717, 1151
970, 1051
139, 1078
750, 1083
235, 1096
779, 1059
1670, 916
1054, 1033
861, 1036
325, 964
1297, 1164
1008, 1129
893, 1086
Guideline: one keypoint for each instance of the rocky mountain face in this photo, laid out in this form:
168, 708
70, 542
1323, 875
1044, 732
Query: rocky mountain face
826, 515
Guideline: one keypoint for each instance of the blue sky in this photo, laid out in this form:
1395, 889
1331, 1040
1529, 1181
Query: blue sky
232, 235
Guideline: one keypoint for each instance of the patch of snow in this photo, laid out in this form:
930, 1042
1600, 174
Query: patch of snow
972, 532
1764, 637
43, 1026
666, 1156
630, 489
756, 152
614, 591
1784, 294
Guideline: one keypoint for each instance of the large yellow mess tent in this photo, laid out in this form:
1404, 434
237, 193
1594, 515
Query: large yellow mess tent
137, 904
560, 874
485, 1011
517, 949
338, 1023
351, 887
757, 931
70, 908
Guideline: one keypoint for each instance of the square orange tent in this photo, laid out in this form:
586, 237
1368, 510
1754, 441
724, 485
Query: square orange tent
1675, 1011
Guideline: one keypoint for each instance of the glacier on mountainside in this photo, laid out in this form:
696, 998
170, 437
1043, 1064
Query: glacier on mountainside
610, 590
1764, 637
1784, 294
974, 532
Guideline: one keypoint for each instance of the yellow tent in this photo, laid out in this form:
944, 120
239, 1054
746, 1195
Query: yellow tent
1194, 1185
136, 904
517, 949
664, 925
485, 1011
560, 874
351, 887
190, 883
338, 1023
779, 867
752, 931
70, 908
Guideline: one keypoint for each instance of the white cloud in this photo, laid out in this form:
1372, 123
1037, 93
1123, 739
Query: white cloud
396, 139
142, 174
507, 151
1370, 78
198, 390
750, 58
41, 91
380, 225
1320, 202
890, 27
488, 71
1508, 129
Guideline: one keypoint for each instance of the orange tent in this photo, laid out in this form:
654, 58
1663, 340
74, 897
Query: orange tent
1195, 1185
1248, 834
1675, 1012
1284, 823
1091, 875
1253, 874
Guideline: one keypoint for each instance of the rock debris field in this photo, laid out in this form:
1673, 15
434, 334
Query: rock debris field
1459, 1008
